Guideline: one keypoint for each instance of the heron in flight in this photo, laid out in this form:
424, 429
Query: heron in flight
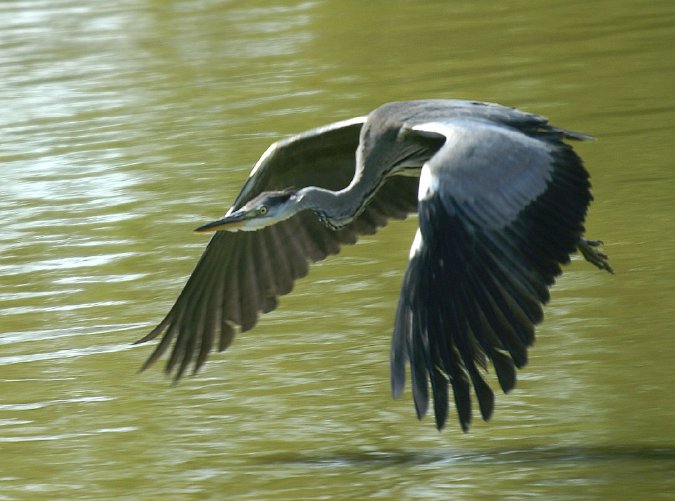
501, 201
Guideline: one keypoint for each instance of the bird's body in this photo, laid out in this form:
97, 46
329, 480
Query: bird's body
501, 202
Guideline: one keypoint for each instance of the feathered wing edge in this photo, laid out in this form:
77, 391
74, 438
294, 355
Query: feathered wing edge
471, 294
241, 275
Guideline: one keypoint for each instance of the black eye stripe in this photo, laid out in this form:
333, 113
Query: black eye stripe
270, 198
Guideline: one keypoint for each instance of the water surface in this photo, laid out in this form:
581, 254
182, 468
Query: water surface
127, 124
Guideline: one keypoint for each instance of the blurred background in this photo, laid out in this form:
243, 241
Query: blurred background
125, 124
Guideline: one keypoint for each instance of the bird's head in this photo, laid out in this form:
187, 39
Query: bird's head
266, 209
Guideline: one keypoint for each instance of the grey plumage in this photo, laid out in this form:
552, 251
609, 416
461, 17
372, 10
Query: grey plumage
501, 206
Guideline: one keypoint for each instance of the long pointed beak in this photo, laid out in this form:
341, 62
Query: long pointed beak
231, 222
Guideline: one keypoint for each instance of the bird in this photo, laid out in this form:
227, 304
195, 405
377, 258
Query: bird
500, 197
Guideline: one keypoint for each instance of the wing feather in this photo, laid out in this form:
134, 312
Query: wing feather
501, 208
240, 275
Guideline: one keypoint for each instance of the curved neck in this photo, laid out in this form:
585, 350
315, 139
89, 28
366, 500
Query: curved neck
376, 159
337, 208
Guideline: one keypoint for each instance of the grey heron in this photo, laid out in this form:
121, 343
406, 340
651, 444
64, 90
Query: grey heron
501, 200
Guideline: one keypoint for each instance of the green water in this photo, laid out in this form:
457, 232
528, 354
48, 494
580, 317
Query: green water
126, 124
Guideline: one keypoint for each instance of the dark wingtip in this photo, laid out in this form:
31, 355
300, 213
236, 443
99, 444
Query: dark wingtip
148, 362
397, 386
150, 335
505, 369
159, 349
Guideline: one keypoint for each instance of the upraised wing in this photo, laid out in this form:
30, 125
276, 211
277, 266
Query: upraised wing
501, 206
241, 274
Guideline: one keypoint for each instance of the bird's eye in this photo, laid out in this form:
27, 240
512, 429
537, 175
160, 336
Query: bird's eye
262, 210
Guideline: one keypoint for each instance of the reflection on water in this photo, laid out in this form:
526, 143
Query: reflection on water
535, 455
127, 124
